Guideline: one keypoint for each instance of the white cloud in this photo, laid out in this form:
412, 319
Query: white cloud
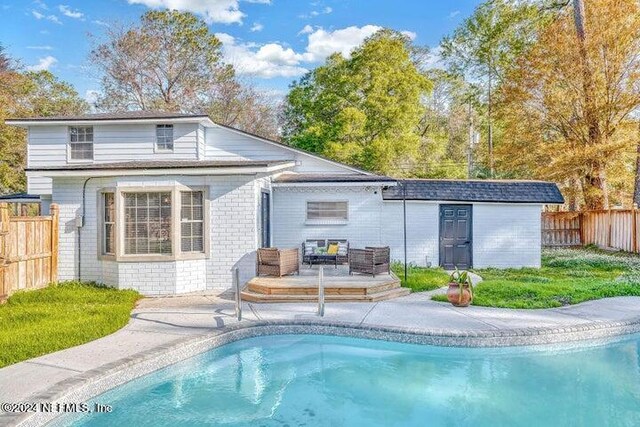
327, 10
40, 4
220, 11
45, 47
454, 14
410, 34
275, 60
91, 96
256, 27
51, 18
67, 11
307, 29
43, 64
98, 22
269, 61
432, 60
322, 43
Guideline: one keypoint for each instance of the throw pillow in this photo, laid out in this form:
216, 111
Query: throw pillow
333, 249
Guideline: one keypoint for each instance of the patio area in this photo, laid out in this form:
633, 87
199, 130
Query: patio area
338, 284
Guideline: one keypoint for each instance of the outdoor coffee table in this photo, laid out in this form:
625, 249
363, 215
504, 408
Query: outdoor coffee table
318, 258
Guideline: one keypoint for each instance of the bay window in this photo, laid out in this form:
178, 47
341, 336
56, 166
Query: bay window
166, 223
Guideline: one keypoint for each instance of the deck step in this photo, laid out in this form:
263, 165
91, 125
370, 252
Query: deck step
395, 292
259, 286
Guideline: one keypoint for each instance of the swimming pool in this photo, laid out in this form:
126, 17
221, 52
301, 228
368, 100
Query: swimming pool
318, 380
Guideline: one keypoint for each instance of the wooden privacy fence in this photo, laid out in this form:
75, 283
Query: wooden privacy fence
615, 229
28, 251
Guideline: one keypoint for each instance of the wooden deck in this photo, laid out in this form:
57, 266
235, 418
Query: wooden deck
339, 286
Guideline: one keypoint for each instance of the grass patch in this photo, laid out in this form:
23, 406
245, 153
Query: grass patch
33, 323
567, 276
421, 278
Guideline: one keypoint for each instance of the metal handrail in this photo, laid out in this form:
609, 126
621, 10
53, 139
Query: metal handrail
321, 292
236, 280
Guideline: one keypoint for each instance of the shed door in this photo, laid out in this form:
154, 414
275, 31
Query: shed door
455, 236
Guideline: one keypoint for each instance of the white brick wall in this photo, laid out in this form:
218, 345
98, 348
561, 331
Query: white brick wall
233, 229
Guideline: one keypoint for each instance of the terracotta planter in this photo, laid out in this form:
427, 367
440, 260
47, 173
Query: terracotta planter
454, 297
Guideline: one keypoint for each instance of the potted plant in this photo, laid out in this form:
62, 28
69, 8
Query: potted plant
460, 292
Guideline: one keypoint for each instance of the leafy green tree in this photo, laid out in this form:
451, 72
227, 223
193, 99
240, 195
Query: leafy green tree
486, 45
24, 95
364, 110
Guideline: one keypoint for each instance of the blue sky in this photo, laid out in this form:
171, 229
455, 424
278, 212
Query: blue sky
271, 42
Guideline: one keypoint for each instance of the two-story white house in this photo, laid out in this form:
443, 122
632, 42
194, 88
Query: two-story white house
170, 203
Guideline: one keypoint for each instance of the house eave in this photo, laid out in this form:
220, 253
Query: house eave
204, 120
334, 184
231, 170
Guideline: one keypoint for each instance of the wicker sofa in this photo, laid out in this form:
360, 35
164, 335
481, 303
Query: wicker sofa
370, 260
277, 262
310, 244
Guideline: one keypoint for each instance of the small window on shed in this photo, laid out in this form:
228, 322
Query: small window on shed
327, 211
164, 137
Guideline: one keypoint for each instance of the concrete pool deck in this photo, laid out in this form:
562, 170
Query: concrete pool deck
186, 325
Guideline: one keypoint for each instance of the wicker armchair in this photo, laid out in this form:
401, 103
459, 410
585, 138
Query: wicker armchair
369, 260
277, 262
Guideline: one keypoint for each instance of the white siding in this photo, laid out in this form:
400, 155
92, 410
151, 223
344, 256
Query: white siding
225, 144
506, 235
289, 216
233, 230
47, 146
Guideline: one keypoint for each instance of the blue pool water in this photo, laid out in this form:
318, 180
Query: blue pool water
313, 380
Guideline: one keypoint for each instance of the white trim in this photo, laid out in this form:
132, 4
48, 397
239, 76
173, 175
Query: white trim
155, 172
296, 150
334, 184
94, 122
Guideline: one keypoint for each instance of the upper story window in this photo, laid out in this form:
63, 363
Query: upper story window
327, 211
81, 143
164, 137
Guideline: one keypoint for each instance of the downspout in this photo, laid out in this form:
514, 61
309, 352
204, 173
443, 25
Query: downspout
80, 225
404, 223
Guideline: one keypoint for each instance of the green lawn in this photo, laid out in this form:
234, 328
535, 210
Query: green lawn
567, 276
421, 279
33, 323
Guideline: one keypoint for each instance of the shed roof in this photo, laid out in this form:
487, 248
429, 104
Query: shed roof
497, 191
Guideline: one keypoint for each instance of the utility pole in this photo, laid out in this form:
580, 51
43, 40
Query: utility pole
471, 143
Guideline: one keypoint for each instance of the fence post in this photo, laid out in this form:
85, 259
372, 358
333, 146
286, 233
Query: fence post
610, 229
4, 218
55, 219
581, 227
634, 228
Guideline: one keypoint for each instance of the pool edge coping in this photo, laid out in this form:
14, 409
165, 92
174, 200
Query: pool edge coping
91, 383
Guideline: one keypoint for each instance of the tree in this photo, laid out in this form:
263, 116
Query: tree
243, 107
23, 95
164, 63
364, 110
486, 44
170, 61
570, 125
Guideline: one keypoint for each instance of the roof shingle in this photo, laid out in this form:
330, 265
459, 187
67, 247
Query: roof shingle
476, 191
